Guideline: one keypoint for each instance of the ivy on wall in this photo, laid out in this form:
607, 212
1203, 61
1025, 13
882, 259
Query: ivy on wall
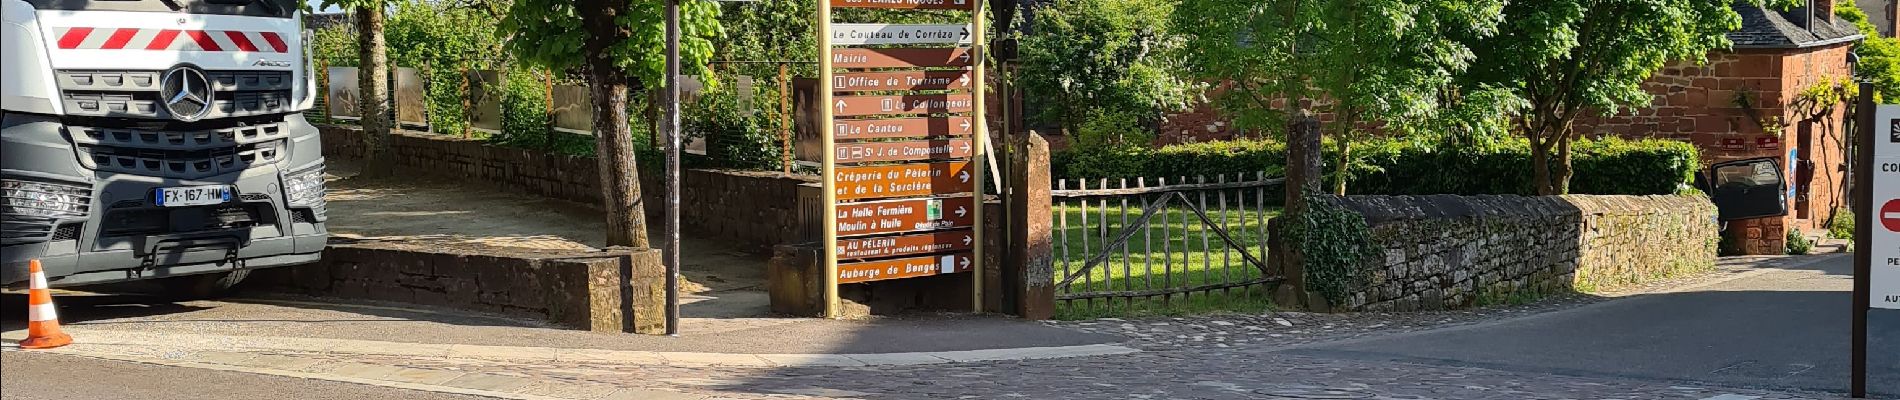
1333, 242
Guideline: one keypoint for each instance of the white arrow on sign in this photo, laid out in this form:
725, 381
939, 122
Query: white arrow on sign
966, 147
965, 263
863, 34
964, 176
966, 125
966, 240
965, 80
961, 211
840, 106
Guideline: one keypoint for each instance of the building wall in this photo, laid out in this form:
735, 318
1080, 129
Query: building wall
1737, 106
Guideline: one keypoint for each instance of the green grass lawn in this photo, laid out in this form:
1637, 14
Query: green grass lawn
1175, 250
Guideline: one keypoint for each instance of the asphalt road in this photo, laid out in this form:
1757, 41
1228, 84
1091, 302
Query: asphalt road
28, 376
1785, 329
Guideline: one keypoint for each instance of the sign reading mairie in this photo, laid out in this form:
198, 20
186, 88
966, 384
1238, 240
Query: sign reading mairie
900, 58
907, 4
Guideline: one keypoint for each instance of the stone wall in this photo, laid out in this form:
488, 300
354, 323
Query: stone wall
1447, 252
756, 209
614, 291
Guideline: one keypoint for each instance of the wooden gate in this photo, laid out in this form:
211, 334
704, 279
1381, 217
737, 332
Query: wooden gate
1210, 253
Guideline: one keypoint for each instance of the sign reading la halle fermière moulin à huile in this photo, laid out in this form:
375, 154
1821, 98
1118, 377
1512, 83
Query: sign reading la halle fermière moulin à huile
905, 144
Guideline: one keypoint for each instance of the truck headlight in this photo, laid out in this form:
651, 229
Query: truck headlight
304, 188
44, 200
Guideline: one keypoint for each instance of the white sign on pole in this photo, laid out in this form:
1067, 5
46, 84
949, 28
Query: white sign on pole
861, 34
1885, 234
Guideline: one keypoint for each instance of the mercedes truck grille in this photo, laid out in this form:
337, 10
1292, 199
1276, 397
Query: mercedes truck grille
179, 154
135, 94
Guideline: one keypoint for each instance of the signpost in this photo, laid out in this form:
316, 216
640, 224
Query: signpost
904, 146
1877, 212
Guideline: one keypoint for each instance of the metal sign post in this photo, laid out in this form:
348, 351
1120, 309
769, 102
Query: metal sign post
671, 251
1877, 229
904, 146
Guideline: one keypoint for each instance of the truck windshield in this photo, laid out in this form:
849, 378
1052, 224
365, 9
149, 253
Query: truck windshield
252, 8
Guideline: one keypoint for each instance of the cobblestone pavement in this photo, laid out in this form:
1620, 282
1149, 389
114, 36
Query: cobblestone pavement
1190, 374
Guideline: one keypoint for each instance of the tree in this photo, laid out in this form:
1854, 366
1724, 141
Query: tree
1094, 61
1566, 57
1363, 61
618, 44
372, 83
1879, 55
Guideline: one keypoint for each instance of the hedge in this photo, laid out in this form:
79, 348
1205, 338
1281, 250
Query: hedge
1603, 166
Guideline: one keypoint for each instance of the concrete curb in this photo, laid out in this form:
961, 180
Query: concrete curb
95, 339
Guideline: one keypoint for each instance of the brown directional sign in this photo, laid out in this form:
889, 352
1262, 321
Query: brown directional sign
909, 215
902, 180
908, 4
900, 57
852, 106
905, 245
904, 267
901, 128
913, 150
902, 80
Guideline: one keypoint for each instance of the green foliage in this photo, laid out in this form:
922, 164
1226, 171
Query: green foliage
1106, 128
735, 136
1387, 166
525, 123
1842, 227
440, 41
548, 33
1567, 57
1879, 55
1333, 243
1798, 244
1092, 60
335, 45
1374, 60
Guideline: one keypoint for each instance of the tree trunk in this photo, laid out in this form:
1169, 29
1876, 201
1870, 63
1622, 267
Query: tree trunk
1540, 162
1302, 179
1560, 173
1342, 170
613, 137
372, 82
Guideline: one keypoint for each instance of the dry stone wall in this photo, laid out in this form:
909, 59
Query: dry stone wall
1448, 252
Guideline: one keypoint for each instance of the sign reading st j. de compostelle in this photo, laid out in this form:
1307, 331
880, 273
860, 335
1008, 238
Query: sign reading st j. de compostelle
1885, 235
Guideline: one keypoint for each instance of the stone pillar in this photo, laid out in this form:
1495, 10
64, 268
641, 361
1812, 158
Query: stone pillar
1302, 178
1029, 269
628, 293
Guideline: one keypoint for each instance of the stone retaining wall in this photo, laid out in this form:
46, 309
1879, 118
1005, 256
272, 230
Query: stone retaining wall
757, 209
613, 291
1445, 252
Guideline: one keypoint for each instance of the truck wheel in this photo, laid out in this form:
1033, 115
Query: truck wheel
202, 286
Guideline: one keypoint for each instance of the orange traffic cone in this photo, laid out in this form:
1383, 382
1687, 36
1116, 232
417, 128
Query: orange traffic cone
42, 320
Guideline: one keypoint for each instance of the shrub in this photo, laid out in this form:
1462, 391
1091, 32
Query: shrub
1798, 243
734, 137
1603, 166
1842, 227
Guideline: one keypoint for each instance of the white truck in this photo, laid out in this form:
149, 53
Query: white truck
156, 140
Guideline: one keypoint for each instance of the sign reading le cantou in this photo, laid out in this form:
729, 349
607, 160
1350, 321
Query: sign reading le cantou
1885, 249
901, 128
861, 34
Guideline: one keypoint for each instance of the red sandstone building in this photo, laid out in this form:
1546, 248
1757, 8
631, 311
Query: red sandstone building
1743, 103
1764, 98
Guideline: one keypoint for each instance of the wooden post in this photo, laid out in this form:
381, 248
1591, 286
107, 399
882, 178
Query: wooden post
785, 115
1029, 266
982, 136
466, 121
323, 84
825, 142
1302, 178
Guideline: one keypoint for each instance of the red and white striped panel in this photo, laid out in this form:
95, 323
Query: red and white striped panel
169, 39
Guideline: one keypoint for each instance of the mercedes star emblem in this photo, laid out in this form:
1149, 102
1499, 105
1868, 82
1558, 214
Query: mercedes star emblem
186, 93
